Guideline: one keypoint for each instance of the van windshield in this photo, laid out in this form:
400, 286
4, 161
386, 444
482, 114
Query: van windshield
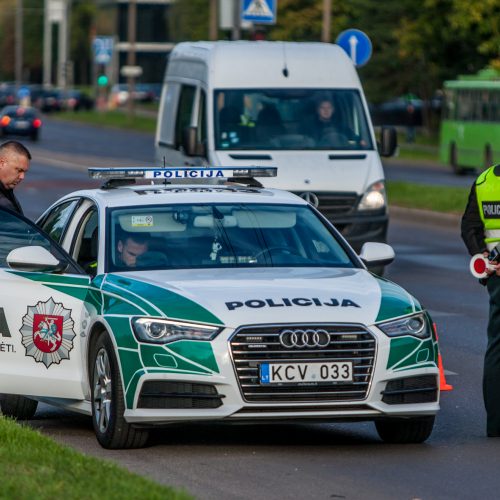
290, 119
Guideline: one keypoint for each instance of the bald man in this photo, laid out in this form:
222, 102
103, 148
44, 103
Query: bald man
14, 163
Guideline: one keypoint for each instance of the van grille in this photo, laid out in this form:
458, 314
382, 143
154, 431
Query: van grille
252, 346
332, 203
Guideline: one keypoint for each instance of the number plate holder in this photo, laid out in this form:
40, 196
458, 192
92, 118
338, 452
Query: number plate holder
333, 372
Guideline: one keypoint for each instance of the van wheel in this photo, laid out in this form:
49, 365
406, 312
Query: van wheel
108, 404
454, 160
405, 430
18, 407
488, 156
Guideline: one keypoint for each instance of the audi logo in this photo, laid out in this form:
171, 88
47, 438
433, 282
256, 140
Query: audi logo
298, 339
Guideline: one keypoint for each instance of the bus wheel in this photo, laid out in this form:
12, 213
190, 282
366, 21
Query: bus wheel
488, 156
454, 160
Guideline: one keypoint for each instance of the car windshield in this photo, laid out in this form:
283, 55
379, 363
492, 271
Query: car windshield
220, 235
290, 119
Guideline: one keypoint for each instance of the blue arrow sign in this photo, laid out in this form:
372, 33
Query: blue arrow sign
103, 49
357, 45
259, 11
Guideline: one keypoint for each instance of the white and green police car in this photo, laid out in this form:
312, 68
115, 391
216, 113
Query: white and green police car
235, 303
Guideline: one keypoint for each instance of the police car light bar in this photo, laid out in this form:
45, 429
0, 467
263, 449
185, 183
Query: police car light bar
174, 173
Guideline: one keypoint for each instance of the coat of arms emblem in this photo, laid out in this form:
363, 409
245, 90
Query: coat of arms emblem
48, 332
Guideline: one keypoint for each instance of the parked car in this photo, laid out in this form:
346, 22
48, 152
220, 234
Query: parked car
45, 100
76, 100
19, 120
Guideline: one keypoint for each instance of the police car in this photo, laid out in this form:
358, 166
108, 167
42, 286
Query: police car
147, 304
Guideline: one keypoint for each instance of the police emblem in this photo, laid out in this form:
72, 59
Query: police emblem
48, 332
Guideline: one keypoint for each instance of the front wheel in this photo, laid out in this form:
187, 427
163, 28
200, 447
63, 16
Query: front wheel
405, 430
18, 407
108, 404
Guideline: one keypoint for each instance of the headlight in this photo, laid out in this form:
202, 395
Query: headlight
162, 331
416, 325
374, 197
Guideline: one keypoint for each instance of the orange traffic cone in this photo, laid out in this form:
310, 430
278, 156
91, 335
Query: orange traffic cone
443, 386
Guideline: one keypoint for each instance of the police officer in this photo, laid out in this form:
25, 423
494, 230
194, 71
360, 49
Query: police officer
481, 233
14, 163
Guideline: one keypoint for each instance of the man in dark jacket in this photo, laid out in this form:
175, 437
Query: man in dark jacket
14, 163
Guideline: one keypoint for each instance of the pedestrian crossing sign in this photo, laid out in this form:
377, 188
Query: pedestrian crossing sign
259, 11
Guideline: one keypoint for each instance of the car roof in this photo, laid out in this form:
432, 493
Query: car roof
140, 195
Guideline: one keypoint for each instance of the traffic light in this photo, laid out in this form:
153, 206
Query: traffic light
102, 80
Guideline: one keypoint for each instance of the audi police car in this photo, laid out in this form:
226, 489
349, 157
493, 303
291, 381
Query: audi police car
147, 304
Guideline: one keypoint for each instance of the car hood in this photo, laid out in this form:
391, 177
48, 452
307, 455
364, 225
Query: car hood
234, 297
319, 171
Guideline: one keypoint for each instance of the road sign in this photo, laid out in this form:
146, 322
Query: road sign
357, 45
131, 71
259, 11
103, 49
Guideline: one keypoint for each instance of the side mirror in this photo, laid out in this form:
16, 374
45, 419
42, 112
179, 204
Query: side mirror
376, 254
388, 141
34, 259
190, 143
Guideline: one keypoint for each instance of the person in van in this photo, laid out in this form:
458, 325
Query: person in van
326, 127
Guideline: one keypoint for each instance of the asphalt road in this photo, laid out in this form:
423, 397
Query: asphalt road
309, 460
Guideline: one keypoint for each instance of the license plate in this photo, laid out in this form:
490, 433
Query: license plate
23, 125
295, 373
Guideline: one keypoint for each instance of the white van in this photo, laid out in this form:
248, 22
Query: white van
259, 103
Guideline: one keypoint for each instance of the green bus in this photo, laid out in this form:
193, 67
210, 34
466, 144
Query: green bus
470, 127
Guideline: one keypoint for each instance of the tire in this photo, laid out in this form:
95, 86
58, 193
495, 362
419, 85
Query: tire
34, 137
108, 404
18, 407
405, 430
454, 160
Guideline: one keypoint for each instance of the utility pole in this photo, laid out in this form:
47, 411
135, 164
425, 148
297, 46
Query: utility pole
131, 34
327, 21
47, 44
213, 20
19, 43
236, 34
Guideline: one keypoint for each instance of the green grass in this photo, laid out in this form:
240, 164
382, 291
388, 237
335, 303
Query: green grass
446, 199
34, 466
115, 119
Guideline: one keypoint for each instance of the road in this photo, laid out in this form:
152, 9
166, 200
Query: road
316, 460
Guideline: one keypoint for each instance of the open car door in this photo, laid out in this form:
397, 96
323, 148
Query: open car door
42, 314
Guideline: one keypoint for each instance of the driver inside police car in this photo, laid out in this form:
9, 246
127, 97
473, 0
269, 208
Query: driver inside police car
130, 247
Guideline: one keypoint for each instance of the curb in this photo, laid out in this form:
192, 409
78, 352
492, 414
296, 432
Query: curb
425, 216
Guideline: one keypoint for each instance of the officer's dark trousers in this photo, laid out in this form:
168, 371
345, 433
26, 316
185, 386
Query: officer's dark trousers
491, 377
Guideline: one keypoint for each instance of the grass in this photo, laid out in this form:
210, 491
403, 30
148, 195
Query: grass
447, 199
34, 466
115, 118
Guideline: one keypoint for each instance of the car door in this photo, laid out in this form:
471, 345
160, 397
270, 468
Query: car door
43, 318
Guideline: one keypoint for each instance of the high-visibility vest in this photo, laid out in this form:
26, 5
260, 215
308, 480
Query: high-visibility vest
488, 200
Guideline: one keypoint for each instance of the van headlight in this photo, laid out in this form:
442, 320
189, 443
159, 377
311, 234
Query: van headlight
374, 197
416, 325
162, 331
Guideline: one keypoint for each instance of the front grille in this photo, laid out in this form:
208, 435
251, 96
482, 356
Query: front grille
411, 390
253, 345
163, 395
332, 204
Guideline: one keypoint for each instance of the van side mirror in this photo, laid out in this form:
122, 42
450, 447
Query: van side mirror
190, 143
388, 141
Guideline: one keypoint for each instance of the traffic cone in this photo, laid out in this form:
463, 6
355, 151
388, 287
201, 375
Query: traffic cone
443, 385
